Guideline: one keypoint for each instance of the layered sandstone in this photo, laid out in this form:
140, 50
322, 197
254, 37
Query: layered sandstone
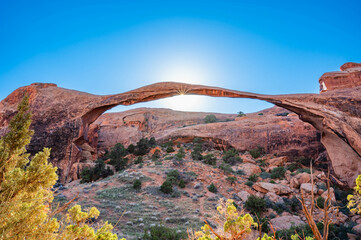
61, 117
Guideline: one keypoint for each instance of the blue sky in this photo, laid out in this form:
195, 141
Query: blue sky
105, 47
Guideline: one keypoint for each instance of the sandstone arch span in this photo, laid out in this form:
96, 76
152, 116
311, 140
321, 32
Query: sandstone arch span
61, 117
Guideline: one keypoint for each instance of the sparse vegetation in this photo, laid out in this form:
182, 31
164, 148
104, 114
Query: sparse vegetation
137, 184
231, 157
95, 173
231, 179
210, 159
163, 233
212, 188
241, 114
257, 152
253, 178
166, 187
255, 205
278, 172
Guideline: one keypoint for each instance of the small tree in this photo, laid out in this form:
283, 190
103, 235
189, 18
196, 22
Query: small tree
137, 184
210, 119
241, 114
166, 187
212, 188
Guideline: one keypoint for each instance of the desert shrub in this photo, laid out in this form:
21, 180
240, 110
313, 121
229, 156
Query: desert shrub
162, 233
170, 149
278, 172
303, 170
152, 142
241, 114
265, 175
231, 157
212, 188
131, 148
262, 163
260, 114
143, 147
257, 152
119, 163
210, 159
255, 205
181, 183
320, 201
253, 178
272, 181
210, 119
283, 114
197, 152
166, 187
293, 167
138, 160
118, 151
264, 224
293, 204
197, 140
180, 155
240, 172
231, 179
173, 176
95, 173
249, 183
304, 231
226, 168
137, 184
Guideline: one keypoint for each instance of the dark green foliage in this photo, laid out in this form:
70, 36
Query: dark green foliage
152, 142
241, 114
137, 184
138, 160
303, 170
197, 140
181, 154
304, 161
210, 159
272, 182
231, 157
197, 151
265, 175
320, 201
181, 183
231, 179
170, 149
255, 205
304, 231
284, 114
131, 148
93, 174
212, 188
116, 156
210, 119
253, 178
260, 114
166, 187
226, 168
293, 167
119, 163
278, 172
240, 172
163, 233
249, 183
173, 176
257, 152
143, 147
262, 163
264, 223
293, 204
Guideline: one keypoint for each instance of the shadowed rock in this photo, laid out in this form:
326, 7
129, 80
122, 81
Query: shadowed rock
61, 117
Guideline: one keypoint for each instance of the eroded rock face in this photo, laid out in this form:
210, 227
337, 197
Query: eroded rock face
61, 117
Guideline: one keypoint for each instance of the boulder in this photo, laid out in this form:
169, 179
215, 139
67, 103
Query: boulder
274, 198
294, 183
286, 222
265, 187
243, 195
277, 162
307, 188
249, 168
303, 178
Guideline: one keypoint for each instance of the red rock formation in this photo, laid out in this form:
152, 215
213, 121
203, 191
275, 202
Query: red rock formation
61, 117
285, 135
348, 77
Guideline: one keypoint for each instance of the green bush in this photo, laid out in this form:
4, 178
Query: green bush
210, 119
278, 172
116, 156
304, 161
181, 154
131, 148
272, 182
152, 142
210, 159
162, 233
143, 147
231, 179
212, 188
182, 184
231, 157
283, 114
260, 114
95, 173
304, 231
173, 176
166, 187
226, 168
249, 183
257, 152
265, 175
253, 178
293, 167
170, 149
197, 152
138, 160
137, 184
240, 172
255, 205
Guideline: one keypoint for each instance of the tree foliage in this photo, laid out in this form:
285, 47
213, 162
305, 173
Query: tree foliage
25, 190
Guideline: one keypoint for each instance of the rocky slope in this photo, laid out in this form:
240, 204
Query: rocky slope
61, 117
